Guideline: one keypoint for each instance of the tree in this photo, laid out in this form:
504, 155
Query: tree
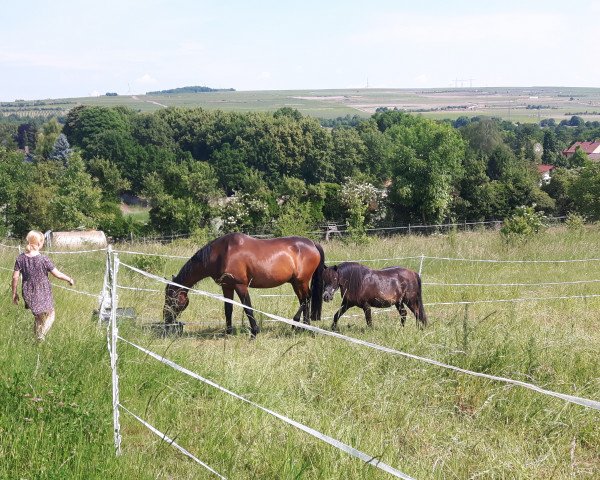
26, 136
84, 123
550, 148
427, 166
348, 154
46, 138
377, 153
109, 178
483, 136
584, 191
15, 182
576, 121
175, 215
559, 189
578, 159
359, 197
230, 167
61, 150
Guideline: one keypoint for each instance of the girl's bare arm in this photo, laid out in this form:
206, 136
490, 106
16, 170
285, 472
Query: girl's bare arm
15, 282
62, 276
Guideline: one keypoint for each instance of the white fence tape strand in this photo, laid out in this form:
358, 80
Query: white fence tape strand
516, 300
569, 398
171, 442
482, 260
388, 259
321, 436
146, 254
442, 284
54, 252
94, 295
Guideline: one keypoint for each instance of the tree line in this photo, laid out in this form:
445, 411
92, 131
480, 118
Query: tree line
282, 172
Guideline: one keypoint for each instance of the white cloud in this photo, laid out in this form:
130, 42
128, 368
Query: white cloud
411, 30
41, 59
146, 79
421, 78
264, 76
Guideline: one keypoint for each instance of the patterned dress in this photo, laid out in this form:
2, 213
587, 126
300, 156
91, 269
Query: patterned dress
37, 293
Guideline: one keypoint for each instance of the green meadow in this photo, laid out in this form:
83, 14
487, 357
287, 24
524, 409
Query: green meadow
523, 104
426, 421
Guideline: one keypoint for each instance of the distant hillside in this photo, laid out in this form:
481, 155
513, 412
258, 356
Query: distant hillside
195, 89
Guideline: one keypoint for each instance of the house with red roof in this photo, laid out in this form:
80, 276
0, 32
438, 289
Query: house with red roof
544, 171
591, 148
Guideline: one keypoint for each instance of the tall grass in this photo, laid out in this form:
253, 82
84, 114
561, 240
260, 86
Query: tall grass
55, 399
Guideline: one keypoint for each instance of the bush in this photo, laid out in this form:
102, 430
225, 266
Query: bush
295, 218
148, 263
524, 223
575, 223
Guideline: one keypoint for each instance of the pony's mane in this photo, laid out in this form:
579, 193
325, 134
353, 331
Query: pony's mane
201, 257
352, 275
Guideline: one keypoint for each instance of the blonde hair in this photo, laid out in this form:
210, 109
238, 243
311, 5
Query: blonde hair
35, 241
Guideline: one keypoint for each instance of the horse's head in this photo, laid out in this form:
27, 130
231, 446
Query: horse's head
176, 301
331, 282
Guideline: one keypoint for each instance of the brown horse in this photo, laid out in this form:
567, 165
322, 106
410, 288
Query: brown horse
365, 288
237, 261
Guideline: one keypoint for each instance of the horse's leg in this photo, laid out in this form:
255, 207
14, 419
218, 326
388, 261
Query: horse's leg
302, 291
228, 293
402, 311
242, 291
338, 314
368, 316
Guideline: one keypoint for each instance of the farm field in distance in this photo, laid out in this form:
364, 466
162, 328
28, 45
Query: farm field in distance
428, 422
525, 105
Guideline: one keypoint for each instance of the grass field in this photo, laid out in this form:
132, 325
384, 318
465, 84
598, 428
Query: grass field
508, 103
55, 398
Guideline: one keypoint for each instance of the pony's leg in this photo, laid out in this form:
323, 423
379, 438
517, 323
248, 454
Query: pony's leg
338, 314
402, 311
414, 308
368, 316
242, 291
228, 293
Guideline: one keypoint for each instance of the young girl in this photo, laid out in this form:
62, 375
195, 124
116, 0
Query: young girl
34, 268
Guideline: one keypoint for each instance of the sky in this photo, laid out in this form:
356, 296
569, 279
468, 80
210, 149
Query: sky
79, 48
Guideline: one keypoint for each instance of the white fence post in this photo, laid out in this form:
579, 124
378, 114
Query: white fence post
113, 355
105, 296
421, 265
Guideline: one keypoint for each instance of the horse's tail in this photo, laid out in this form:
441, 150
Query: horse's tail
422, 315
316, 287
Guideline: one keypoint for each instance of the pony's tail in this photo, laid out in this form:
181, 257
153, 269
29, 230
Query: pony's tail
316, 287
422, 315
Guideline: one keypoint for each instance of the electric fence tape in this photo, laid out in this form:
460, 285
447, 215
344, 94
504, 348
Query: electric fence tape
321, 436
569, 398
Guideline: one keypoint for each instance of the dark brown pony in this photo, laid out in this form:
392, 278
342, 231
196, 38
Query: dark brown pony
365, 288
237, 261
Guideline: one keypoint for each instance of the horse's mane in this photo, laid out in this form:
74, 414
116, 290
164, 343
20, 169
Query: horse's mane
201, 257
351, 275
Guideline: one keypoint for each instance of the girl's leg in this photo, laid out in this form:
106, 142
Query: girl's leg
48, 321
38, 326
